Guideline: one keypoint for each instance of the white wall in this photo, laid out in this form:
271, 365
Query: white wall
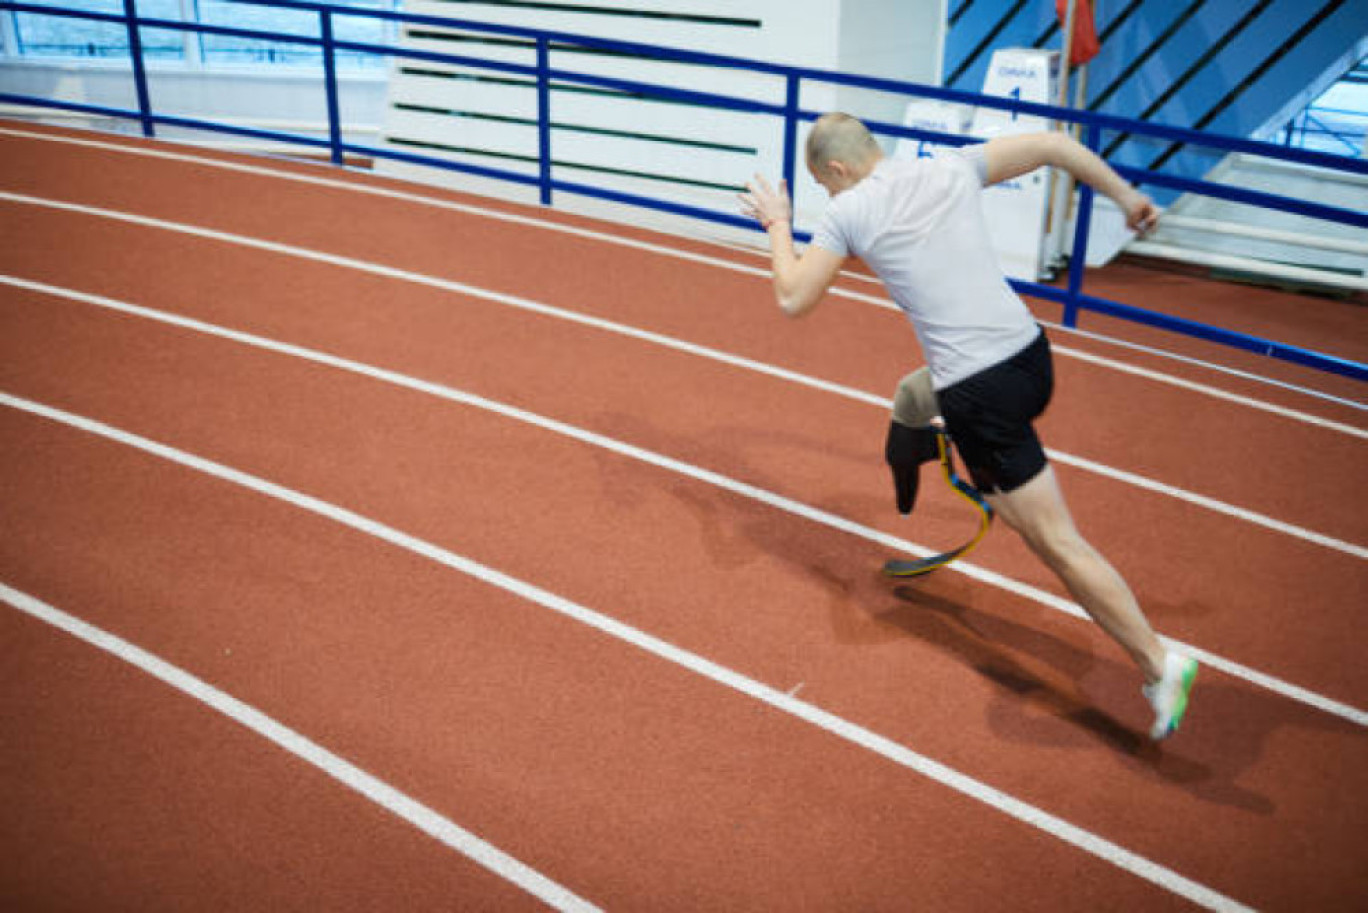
272, 99
687, 154
899, 39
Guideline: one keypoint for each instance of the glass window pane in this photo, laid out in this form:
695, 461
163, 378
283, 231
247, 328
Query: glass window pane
227, 49
162, 44
70, 37
364, 29
230, 49
64, 36
45, 35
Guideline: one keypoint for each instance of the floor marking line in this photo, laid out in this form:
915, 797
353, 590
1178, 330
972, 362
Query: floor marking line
663, 250
752, 492
888, 304
737, 361
1197, 362
461, 288
1200, 500
425, 819
851, 732
1215, 392
1174, 381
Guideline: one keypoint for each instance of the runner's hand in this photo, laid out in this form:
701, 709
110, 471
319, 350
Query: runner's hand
765, 204
1141, 213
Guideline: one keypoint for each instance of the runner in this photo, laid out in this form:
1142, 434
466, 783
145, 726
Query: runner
919, 225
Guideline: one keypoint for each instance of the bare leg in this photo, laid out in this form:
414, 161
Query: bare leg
1038, 513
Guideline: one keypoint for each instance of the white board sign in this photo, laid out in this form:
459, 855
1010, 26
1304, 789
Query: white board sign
937, 116
1016, 209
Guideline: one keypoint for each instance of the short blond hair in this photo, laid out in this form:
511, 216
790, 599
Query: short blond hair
838, 137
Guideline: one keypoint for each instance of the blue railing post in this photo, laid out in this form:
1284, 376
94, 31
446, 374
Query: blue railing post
791, 128
325, 26
1078, 257
544, 118
135, 52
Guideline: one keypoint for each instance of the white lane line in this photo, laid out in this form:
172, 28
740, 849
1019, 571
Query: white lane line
1068, 459
721, 263
670, 342
448, 285
1216, 392
1194, 386
1197, 362
381, 793
1231, 510
835, 725
707, 476
887, 304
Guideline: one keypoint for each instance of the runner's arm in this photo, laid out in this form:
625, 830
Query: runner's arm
799, 281
1008, 157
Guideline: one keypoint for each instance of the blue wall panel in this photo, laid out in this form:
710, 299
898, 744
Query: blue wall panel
1129, 42
981, 18
1161, 42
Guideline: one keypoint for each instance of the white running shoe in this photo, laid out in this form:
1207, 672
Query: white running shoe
1169, 695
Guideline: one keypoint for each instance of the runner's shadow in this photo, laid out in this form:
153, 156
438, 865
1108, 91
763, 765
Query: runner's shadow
1228, 732
1225, 736
862, 607
1039, 671
1034, 672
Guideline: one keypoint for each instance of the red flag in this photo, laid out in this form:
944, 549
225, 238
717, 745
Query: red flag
1085, 44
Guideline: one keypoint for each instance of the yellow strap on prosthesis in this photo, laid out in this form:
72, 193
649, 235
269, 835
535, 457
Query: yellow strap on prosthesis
920, 566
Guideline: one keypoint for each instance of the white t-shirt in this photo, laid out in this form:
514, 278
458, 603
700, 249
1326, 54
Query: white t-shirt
919, 225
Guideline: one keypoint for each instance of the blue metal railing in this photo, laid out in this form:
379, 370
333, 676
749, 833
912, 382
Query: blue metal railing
1307, 125
543, 42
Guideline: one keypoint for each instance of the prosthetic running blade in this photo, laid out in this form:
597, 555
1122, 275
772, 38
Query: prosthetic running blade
920, 566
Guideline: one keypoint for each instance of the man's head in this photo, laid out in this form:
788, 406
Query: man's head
841, 152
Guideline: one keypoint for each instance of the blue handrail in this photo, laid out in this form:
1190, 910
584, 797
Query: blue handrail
542, 42
1322, 129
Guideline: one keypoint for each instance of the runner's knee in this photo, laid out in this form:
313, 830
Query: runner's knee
914, 404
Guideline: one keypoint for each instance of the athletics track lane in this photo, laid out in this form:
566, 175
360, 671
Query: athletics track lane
842, 563
135, 376
848, 342
122, 794
1152, 539
637, 783
1299, 320
591, 393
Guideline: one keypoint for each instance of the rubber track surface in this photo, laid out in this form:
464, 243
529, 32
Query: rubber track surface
635, 783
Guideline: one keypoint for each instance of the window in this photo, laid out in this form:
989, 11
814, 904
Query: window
62, 36
1337, 122
37, 35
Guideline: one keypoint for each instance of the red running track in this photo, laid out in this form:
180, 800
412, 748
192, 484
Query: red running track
629, 779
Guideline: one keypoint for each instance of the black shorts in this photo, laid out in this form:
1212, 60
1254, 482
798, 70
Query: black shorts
989, 417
